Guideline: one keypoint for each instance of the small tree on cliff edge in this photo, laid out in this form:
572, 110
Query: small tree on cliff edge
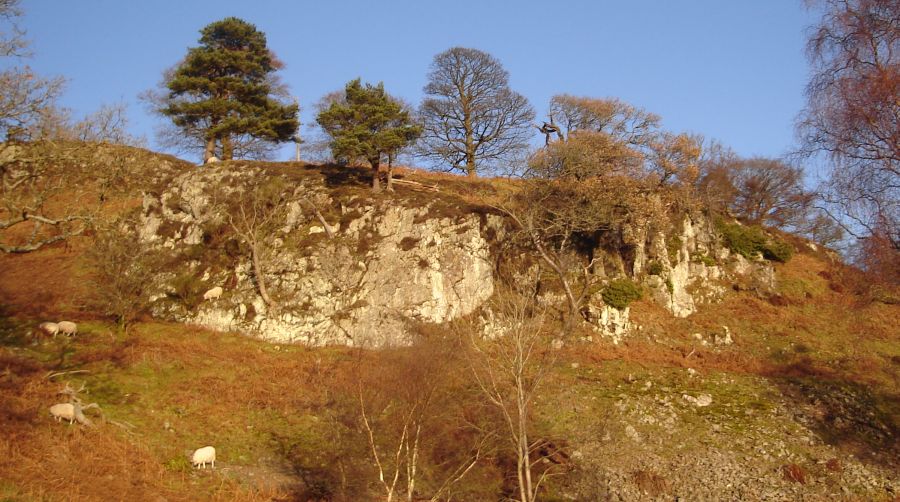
368, 124
224, 88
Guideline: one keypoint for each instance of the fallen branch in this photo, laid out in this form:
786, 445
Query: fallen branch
415, 185
127, 427
52, 375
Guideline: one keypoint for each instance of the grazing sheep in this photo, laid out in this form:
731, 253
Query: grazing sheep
203, 456
63, 411
68, 328
213, 293
211, 160
50, 328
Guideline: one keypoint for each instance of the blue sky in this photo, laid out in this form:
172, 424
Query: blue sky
731, 70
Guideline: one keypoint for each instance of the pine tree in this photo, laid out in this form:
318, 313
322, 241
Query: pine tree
224, 88
368, 124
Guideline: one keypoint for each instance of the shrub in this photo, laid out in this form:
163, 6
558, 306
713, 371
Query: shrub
194, 252
673, 245
408, 243
178, 464
654, 268
187, 289
749, 241
745, 241
620, 292
705, 259
778, 251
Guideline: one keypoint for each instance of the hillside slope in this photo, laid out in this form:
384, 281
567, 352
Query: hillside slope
788, 394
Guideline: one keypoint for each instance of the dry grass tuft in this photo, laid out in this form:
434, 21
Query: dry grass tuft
795, 473
650, 483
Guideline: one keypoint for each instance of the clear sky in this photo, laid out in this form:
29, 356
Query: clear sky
728, 69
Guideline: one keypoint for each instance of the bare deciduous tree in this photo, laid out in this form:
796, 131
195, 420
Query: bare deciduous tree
758, 190
587, 154
254, 217
50, 189
472, 119
559, 218
109, 124
714, 185
508, 369
673, 159
769, 191
12, 38
853, 113
406, 411
42, 185
622, 121
123, 269
24, 95
40, 202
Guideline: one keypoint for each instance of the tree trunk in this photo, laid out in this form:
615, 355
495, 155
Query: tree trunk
210, 150
390, 173
227, 148
260, 279
470, 158
376, 174
574, 304
470, 147
524, 460
329, 230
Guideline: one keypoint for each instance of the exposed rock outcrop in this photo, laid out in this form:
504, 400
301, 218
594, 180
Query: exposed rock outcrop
345, 267
388, 265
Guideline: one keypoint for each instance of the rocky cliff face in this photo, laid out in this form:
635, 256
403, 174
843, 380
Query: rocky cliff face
387, 265
390, 263
692, 267
681, 264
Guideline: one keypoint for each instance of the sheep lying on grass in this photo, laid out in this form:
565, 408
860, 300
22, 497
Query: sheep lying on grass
63, 411
203, 456
49, 328
213, 293
73, 412
68, 328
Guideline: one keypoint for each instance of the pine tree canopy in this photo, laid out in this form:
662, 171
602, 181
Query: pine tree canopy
369, 125
225, 88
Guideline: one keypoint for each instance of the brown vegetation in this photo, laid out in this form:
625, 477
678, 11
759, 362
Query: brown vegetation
321, 418
851, 117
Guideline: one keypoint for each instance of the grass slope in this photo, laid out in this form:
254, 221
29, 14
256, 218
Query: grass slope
805, 402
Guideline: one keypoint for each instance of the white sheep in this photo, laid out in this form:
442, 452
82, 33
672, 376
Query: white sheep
50, 328
213, 293
203, 456
211, 160
63, 411
73, 412
67, 328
